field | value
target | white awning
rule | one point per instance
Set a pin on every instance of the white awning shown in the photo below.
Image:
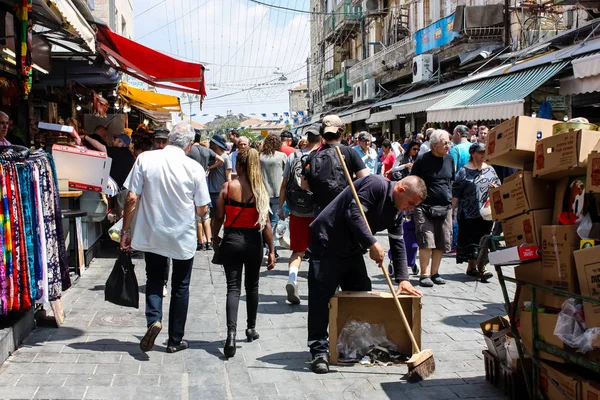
(417, 105)
(361, 115)
(586, 66)
(347, 119)
(572, 85)
(72, 15)
(381, 116)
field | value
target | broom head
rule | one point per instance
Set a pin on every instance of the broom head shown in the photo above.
(420, 366)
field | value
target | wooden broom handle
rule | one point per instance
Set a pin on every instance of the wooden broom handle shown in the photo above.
(385, 272)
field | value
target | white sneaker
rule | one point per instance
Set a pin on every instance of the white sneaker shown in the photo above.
(292, 293)
(165, 293)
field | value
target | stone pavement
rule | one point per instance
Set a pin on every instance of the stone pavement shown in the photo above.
(96, 355)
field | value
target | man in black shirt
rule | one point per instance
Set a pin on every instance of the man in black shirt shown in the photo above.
(339, 237)
(433, 218)
(333, 130)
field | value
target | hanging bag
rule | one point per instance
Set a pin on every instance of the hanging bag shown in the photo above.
(122, 286)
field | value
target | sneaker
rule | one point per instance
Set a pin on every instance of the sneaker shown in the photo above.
(174, 348)
(320, 364)
(391, 269)
(208, 246)
(199, 246)
(276, 255)
(165, 292)
(426, 281)
(147, 341)
(292, 293)
(437, 279)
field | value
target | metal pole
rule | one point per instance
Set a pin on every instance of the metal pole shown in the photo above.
(363, 36)
(507, 22)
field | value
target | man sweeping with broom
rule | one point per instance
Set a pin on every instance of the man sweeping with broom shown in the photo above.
(340, 235)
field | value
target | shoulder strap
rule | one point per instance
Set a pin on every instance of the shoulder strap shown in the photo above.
(241, 211)
(228, 196)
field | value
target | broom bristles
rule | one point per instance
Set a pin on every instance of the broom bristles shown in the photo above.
(419, 372)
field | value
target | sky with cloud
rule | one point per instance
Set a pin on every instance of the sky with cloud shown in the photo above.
(247, 48)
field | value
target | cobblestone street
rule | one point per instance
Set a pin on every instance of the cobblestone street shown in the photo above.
(96, 355)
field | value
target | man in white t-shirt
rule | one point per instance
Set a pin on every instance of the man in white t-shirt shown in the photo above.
(166, 190)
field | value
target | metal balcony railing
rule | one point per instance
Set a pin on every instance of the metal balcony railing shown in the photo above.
(344, 18)
(336, 86)
(391, 57)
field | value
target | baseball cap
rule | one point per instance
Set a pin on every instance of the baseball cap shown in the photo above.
(314, 129)
(286, 135)
(332, 123)
(220, 141)
(126, 139)
(161, 133)
(365, 136)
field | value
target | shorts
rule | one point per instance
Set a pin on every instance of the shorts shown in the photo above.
(203, 219)
(433, 233)
(299, 232)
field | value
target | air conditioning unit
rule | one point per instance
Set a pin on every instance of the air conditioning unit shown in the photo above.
(369, 88)
(347, 64)
(372, 6)
(422, 67)
(357, 92)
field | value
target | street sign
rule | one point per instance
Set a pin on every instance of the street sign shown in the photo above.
(557, 102)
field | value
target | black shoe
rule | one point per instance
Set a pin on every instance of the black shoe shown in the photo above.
(174, 348)
(473, 272)
(208, 246)
(437, 279)
(147, 341)
(251, 335)
(320, 364)
(229, 349)
(200, 246)
(485, 275)
(415, 269)
(276, 255)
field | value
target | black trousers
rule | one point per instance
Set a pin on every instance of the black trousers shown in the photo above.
(243, 250)
(156, 265)
(326, 272)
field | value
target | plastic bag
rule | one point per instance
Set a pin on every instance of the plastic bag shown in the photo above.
(585, 227)
(571, 328)
(486, 211)
(122, 286)
(357, 337)
(115, 231)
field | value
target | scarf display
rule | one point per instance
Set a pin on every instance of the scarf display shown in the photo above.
(33, 265)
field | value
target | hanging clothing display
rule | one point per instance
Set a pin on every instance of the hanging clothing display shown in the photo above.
(33, 265)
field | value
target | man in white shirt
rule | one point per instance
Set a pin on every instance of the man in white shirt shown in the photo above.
(166, 189)
(426, 146)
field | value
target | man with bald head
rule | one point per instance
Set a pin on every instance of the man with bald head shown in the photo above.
(339, 237)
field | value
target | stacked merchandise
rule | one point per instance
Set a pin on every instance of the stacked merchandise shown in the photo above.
(33, 265)
(546, 205)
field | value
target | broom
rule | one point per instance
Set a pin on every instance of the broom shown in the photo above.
(422, 364)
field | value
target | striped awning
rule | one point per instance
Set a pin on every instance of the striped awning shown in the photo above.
(419, 104)
(381, 116)
(500, 97)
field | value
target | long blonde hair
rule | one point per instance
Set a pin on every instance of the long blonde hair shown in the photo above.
(249, 162)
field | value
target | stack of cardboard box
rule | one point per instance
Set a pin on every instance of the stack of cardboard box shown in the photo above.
(540, 205)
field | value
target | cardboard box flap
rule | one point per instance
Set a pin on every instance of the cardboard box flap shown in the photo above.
(84, 169)
(565, 154)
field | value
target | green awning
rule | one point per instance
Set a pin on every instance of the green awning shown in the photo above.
(501, 97)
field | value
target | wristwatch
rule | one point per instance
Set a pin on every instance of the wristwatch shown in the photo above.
(125, 231)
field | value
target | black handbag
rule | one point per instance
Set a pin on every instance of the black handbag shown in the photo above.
(122, 286)
(435, 212)
(218, 256)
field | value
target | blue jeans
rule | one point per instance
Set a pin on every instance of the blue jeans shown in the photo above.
(274, 203)
(156, 265)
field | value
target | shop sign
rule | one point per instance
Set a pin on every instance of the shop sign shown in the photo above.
(557, 102)
(439, 33)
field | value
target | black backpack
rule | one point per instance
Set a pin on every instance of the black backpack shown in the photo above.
(326, 176)
(298, 200)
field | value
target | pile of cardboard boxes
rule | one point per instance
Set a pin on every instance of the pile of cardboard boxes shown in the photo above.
(540, 208)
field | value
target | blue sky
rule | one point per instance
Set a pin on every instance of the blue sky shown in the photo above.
(241, 43)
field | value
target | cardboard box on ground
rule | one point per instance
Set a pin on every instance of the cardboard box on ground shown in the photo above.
(512, 143)
(565, 154)
(520, 193)
(374, 308)
(559, 382)
(587, 262)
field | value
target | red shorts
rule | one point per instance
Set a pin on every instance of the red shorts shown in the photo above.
(300, 232)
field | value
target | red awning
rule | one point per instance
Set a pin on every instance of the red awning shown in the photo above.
(150, 66)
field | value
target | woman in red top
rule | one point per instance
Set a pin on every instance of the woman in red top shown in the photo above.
(387, 158)
(243, 209)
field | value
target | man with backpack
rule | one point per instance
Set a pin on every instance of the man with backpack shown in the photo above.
(323, 172)
(301, 205)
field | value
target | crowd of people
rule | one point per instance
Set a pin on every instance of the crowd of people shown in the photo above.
(229, 195)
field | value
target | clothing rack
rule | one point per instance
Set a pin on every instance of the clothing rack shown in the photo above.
(33, 264)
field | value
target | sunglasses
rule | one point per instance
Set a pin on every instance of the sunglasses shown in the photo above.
(415, 148)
